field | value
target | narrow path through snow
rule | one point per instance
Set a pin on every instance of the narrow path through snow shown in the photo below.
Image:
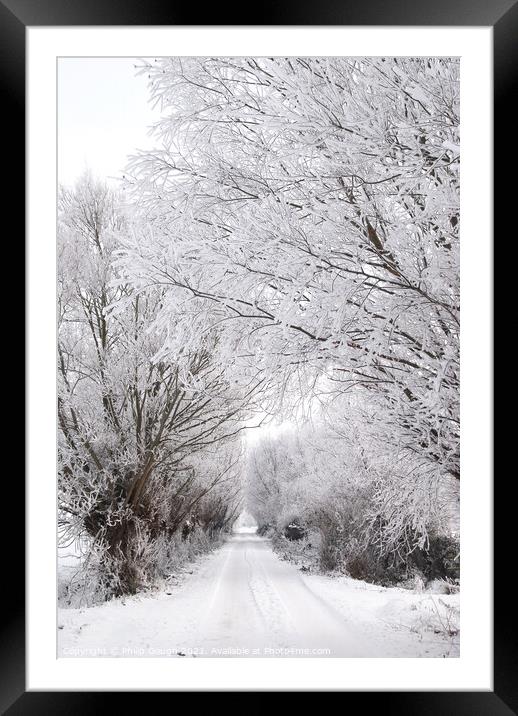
(260, 602)
(243, 600)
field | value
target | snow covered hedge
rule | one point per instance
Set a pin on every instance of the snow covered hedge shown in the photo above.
(323, 478)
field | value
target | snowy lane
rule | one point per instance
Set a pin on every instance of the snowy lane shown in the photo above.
(261, 603)
(243, 601)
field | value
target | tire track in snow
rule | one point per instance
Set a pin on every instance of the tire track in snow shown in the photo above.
(252, 590)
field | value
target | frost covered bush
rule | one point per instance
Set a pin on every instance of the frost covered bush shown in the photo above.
(304, 553)
(440, 560)
(90, 582)
(265, 530)
(152, 564)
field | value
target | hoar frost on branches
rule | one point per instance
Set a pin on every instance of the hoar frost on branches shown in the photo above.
(148, 447)
(308, 208)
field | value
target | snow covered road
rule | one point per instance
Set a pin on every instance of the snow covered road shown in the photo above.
(260, 602)
(242, 600)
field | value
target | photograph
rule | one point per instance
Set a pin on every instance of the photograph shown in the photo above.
(258, 357)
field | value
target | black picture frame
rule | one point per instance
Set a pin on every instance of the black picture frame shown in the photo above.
(15, 17)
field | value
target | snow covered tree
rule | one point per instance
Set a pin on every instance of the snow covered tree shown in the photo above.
(309, 209)
(146, 445)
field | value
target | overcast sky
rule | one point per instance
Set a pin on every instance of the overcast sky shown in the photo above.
(103, 116)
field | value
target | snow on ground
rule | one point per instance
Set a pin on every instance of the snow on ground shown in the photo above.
(242, 600)
(401, 623)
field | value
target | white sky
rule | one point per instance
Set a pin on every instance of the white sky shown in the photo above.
(103, 116)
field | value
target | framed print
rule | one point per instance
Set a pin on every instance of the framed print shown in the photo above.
(271, 321)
